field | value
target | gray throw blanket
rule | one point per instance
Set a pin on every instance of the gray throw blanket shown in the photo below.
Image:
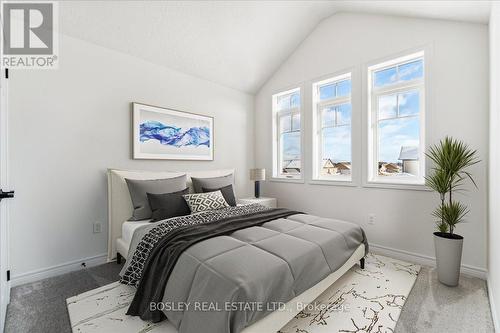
(265, 265)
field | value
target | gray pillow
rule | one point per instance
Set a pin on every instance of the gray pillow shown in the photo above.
(215, 182)
(168, 205)
(139, 188)
(227, 193)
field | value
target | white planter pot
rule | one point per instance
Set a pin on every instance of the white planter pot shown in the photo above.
(448, 257)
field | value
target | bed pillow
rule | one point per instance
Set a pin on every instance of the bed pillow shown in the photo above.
(214, 182)
(168, 205)
(139, 188)
(227, 193)
(202, 202)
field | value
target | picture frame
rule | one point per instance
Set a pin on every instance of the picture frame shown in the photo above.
(169, 134)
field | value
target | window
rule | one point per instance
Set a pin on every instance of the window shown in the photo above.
(396, 115)
(287, 124)
(332, 128)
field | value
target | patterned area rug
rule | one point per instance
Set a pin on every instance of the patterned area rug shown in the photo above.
(361, 301)
(368, 300)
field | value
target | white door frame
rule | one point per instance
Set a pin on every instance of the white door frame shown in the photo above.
(4, 204)
(4, 185)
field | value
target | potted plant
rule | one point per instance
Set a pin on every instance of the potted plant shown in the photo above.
(451, 159)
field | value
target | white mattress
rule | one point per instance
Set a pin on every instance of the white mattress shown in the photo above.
(129, 227)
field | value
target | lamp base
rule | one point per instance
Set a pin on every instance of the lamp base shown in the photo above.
(257, 189)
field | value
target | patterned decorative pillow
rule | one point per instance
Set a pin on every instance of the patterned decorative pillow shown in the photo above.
(202, 202)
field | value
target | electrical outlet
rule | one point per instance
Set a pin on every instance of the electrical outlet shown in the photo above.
(371, 218)
(97, 227)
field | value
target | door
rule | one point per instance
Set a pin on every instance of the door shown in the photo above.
(4, 204)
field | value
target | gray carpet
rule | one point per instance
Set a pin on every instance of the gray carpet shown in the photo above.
(431, 306)
(434, 307)
(40, 307)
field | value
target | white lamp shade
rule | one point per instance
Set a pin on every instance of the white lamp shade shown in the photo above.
(257, 174)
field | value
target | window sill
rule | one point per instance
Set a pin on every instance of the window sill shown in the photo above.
(398, 186)
(287, 180)
(332, 182)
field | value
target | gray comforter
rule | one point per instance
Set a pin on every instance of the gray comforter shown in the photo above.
(213, 281)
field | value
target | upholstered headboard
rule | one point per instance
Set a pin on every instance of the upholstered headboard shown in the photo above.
(120, 205)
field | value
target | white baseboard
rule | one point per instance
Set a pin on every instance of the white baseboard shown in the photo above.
(424, 260)
(494, 316)
(44, 273)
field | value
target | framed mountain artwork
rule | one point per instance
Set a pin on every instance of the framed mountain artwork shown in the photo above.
(160, 133)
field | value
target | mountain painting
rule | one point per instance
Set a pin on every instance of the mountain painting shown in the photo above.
(161, 133)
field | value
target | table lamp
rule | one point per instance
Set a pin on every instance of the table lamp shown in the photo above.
(257, 175)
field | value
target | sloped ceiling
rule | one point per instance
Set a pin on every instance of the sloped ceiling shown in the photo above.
(238, 44)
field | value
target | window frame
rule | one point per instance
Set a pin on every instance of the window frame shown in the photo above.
(317, 107)
(276, 124)
(372, 98)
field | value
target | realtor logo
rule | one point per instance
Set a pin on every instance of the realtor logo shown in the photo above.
(30, 38)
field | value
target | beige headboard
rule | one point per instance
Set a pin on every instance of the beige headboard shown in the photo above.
(120, 205)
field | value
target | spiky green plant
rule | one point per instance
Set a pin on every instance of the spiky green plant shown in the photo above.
(452, 214)
(451, 159)
(439, 181)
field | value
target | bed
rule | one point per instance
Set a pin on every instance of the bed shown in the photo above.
(124, 237)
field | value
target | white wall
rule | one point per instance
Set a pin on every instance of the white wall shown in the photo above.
(68, 125)
(458, 106)
(494, 177)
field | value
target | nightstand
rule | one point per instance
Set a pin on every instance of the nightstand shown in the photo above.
(268, 202)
